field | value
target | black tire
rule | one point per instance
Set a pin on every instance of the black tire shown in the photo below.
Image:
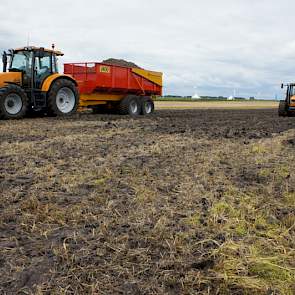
(130, 105)
(147, 106)
(53, 106)
(283, 109)
(11, 96)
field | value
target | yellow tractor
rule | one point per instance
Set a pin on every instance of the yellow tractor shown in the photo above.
(30, 82)
(287, 106)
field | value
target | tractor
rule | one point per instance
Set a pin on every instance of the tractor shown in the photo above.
(287, 106)
(30, 83)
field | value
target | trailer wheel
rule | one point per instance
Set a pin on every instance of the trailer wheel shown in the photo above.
(14, 102)
(130, 105)
(147, 106)
(283, 109)
(63, 98)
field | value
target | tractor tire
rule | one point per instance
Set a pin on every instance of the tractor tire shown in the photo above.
(14, 102)
(283, 109)
(130, 105)
(147, 106)
(63, 98)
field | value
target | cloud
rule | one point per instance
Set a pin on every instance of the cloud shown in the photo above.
(214, 46)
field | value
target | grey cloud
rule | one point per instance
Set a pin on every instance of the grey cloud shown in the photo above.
(214, 46)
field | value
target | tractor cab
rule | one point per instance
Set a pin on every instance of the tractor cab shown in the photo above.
(35, 64)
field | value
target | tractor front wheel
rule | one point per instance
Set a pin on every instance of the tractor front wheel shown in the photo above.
(14, 102)
(63, 98)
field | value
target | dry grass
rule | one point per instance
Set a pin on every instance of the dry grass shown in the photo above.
(180, 105)
(187, 202)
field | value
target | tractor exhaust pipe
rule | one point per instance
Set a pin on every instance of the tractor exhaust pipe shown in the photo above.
(4, 61)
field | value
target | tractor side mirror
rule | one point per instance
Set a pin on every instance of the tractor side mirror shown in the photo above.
(282, 86)
(4, 61)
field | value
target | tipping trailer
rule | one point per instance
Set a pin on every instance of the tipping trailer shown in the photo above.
(104, 86)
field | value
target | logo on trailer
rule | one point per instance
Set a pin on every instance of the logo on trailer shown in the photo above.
(105, 69)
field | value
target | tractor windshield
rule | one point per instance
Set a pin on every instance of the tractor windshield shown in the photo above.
(291, 90)
(21, 61)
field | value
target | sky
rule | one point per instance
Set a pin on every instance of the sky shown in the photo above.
(208, 47)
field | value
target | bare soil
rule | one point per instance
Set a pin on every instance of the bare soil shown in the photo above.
(120, 62)
(181, 202)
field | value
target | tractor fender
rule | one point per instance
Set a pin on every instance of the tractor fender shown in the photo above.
(10, 78)
(51, 79)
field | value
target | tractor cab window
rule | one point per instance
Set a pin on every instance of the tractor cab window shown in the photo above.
(54, 64)
(43, 65)
(290, 91)
(22, 61)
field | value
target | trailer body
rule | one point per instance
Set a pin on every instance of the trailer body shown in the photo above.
(101, 83)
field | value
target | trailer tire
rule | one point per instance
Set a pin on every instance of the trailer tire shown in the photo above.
(14, 102)
(147, 106)
(130, 105)
(63, 98)
(283, 109)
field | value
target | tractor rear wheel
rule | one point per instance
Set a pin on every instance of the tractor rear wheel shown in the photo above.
(63, 98)
(283, 109)
(130, 105)
(147, 106)
(14, 102)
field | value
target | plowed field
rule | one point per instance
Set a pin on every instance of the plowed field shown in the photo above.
(182, 202)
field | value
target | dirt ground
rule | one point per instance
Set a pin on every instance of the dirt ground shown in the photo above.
(182, 202)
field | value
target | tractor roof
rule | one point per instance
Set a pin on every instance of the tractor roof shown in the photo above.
(33, 48)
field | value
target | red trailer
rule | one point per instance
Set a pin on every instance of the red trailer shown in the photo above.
(103, 86)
